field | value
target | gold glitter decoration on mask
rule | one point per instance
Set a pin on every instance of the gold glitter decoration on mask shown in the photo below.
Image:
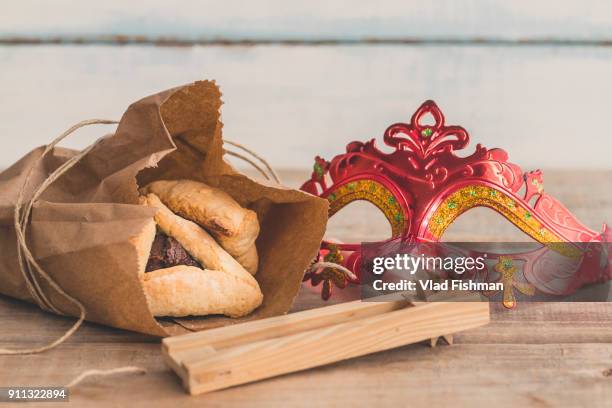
(375, 193)
(476, 195)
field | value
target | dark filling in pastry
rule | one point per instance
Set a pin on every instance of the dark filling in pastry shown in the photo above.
(167, 252)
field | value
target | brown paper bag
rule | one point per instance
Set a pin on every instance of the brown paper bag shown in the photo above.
(81, 226)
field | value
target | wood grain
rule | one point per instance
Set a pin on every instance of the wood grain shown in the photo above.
(547, 106)
(335, 19)
(278, 326)
(224, 357)
(541, 354)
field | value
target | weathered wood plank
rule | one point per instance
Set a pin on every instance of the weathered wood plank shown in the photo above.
(462, 374)
(292, 103)
(335, 19)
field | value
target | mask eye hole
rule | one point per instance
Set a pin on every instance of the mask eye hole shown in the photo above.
(358, 221)
(512, 209)
(373, 193)
(482, 224)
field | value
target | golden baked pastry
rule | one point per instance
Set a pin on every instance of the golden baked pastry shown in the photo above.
(234, 227)
(186, 272)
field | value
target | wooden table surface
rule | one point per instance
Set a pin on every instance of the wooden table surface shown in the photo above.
(541, 354)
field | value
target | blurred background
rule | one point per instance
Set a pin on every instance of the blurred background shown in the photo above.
(305, 78)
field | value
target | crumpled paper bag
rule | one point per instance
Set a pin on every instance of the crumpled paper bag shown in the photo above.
(81, 226)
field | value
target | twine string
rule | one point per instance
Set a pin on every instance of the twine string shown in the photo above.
(27, 264)
(263, 161)
(24, 255)
(249, 161)
(104, 373)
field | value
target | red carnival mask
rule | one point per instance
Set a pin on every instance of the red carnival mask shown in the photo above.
(423, 186)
